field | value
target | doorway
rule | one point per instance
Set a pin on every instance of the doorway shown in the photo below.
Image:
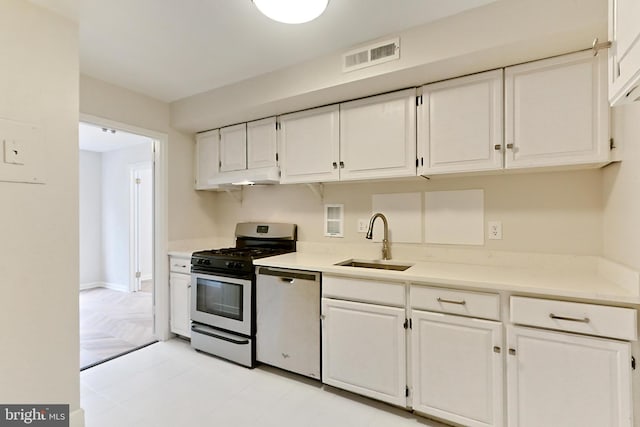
(118, 239)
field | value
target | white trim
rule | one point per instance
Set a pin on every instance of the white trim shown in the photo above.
(76, 418)
(91, 285)
(160, 244)
(120, 287)
(134, 250)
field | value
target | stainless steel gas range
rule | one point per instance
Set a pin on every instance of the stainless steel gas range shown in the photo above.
(223, 297)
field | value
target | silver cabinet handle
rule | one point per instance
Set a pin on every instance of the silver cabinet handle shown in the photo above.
(510, 146)
(341, 165)
(497, 147)
(178, 265)
(570, 319)
(189, 286)
(449, 301)
(287, 279)
(335, 165)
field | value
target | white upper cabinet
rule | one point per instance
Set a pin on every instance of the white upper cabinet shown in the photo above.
(556, 112)
(206, 163)
(233, 148)
(460, 125)
(378, 136)
(309, 145)
(624, 54)
(261, 143)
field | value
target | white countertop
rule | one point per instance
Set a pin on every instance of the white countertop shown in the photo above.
(566, 283)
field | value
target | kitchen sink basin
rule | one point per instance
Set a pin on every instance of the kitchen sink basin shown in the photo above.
(377, 264)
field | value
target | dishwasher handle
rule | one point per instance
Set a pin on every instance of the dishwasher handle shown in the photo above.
(289, 275)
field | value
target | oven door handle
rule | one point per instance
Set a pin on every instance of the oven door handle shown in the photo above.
(218, 335)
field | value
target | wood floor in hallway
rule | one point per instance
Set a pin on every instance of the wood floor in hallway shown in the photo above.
(113, 322)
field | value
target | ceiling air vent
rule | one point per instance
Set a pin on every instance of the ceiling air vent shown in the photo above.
(373, 54)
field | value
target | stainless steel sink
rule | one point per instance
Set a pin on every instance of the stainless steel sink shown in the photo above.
(377, 264)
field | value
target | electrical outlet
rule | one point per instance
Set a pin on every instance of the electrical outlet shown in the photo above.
(363, 225)
(495, 230)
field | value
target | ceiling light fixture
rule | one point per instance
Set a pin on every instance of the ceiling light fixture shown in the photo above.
(291, 11)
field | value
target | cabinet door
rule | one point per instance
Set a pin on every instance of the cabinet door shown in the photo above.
(233, 148)
(363, 349)
(556, 112)
(206, 161)
(460, 125)
(308, 143)
(560, 379)
(378, 136)
(457, 368)
(261, 143)
(180, 302)
(624, 54)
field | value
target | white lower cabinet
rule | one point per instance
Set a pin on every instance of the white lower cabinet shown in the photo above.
(180, 296)
(457, 368)
(364, 349)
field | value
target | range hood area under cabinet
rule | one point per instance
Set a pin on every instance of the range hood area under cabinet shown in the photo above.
(551, 113)
(239, 154)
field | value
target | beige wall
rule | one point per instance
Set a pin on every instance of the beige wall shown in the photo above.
(190, 213)
(39, 361)
(621, 191)
(502, 33)
(558, 212)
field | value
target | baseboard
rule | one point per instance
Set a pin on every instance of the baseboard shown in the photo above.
(116, 287)
(146, 277)
(92, 285)
(76, 418)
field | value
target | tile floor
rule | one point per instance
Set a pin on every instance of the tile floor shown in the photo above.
(168, 384)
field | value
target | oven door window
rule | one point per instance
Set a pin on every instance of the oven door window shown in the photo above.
(219, 298)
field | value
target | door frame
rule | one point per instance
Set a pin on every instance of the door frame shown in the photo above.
(160, 221)
(134, 219)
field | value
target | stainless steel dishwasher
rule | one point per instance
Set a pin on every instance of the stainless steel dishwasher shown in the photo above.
(288, 320)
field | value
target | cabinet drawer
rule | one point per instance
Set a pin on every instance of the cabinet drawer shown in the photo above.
(385, 293)
(600, 320)
(464, 303)
(179, 265)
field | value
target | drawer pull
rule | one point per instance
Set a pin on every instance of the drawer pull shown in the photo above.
(449, 301)
(178, 265)
(570, 319)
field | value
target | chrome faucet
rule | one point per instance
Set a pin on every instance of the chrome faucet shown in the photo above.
(386, 253)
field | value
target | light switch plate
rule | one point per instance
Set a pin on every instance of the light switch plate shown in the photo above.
(363, 225)
(13, 153)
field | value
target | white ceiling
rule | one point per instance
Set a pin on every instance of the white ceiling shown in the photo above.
(171, 49)
(94, 138)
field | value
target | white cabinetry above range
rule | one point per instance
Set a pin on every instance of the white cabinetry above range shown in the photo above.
(551, 113)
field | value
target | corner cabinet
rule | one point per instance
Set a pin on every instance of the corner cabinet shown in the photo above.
(624, 54)
(364, 343)
(556, 112)
(378, 136)
(206, 159)
(564, 379)
(460, 125)
(567, 380)
(309, 145)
